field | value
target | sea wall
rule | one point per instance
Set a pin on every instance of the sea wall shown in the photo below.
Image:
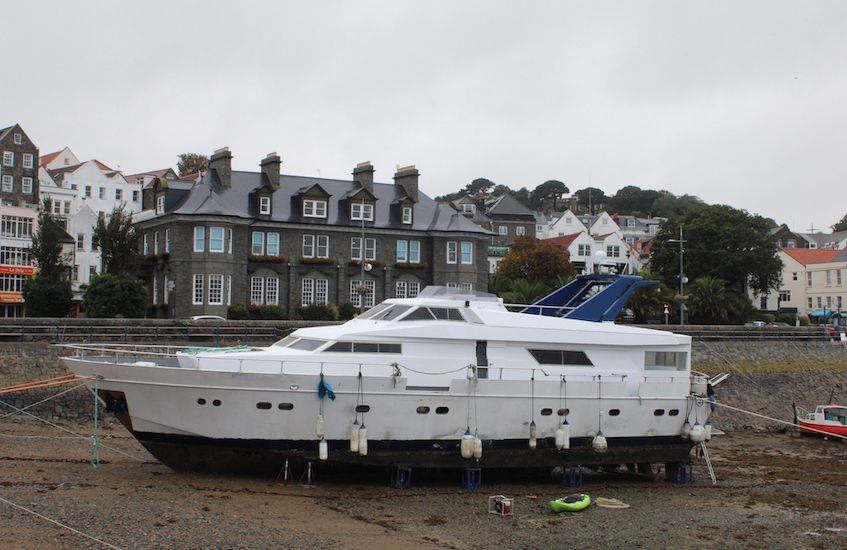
(765, 377)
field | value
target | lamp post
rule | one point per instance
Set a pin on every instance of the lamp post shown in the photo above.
(682, 279)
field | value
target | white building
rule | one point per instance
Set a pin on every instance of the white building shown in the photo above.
(80, 192)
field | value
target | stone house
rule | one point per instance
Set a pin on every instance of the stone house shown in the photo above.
(264, 238)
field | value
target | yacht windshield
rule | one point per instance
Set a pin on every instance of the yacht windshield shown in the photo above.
(387, 313)
(432, 313)
(285, 342)
(307, 344)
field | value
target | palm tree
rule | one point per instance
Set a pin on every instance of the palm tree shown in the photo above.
(708, 299)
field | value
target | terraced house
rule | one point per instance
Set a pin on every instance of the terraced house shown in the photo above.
(262, 238)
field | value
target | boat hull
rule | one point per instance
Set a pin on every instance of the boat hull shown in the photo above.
(814, 428)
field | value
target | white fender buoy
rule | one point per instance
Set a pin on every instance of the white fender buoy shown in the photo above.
(363, 440)
(466, 445)
(599, 444)
(533, 439)
(698, 433)
(708, 427)
(477, 447)
(686, 429)
(563, 436)
(320, 426)
(354, 437)
(323, 449)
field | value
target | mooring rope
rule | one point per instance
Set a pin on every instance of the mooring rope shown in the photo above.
(68, 527)
(43, 400)
(719, 404)
(78, 436)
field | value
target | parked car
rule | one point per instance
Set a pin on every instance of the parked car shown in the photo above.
(756, 324)
(778, 324)
(207, 318)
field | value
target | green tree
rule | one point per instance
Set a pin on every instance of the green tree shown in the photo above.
(841, 225)
(535, 262)
(49, 293)
(708, 300)
(649, 302)
(118, 242)
(591, 197)
(720, 242)
(113, 295)
(549, 194)
(479, 187)
(633, 200)
(667, 204)
(190, 163)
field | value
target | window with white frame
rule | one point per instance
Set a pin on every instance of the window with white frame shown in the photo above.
(361, 211)
(613, 251)
(583, 250)
(828, 302)
(809, 278)
(264, 205)
(314, 291)
(414, 252)
(145, 244)
(468, 208)
(452, 252)
(839, 303)
(18, 139)
(199, 239)
(8, 158)
(407, 214)
(229, 240)
(16, 227)
(8, 184)
(258, 244)
(67, 208)
(407, 289)
(167, 240)
(356, 294)
(119, 194)
(160, 204)
(356, 248)
(828, 277)
(504, 230)
(272, 291)
(820, 302)
(14, 255)
(810, 302)
(315, 246)
(86, 192)
(165, 290)
(197, 294)
(80, 241)
(155, 290)
(101, 193)
(466, 286)
(838, 277)
(28, 160)
(467, 252)
(156, 242)
(402, 251)
(314, 208)
(257, 290)
(229, 290)
(520, 231)
(135, 195)
(216, 239)
(273, 244)
(784, 295)
(216, 289)
(308, 246)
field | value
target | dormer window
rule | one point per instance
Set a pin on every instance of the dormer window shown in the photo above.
(630, 223)
(468, 208)
(265, 205)
(361, 211)
(160, 204)
(407, 214)
(315, 209)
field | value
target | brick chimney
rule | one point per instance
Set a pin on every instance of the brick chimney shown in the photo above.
(270, 167)
(364, 174)
(221, 163)
(407, 178)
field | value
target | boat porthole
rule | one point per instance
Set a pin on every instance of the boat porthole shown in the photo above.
(442, 410)
(201, 401)
(546, 412)
(563, 412)
(614, 412)
(422, 410)
(659, 412)
(216, 402)
(264, 405)
(673, 412)
(285, 406)
(363, 408)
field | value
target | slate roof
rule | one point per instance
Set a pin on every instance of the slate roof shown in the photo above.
(823, 240)
(507, 205)
(209, 197)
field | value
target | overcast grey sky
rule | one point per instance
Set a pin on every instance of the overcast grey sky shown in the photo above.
(738, 102)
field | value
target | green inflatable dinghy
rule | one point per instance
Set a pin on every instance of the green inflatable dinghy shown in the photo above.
(571, 503)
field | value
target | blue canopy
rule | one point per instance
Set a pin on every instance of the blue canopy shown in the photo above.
(821, 313)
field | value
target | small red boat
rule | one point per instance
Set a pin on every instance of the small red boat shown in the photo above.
(826, 420)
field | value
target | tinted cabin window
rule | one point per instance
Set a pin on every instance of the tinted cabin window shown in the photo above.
(561, 357)
(482, 359)
(420, 314)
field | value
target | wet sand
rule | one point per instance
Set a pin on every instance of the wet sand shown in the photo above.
(773, 491)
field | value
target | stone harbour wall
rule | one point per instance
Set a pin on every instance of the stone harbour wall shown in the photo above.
(765, 377)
